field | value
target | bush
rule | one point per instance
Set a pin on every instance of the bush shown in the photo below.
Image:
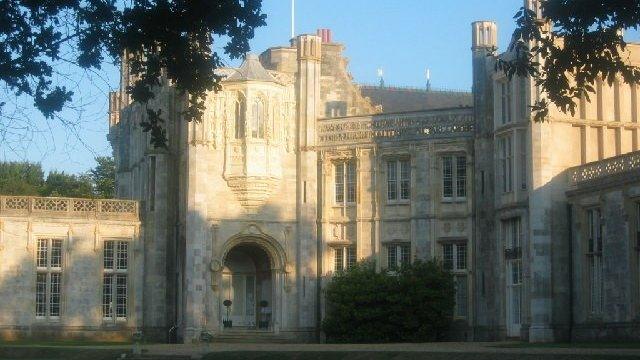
(414, 304)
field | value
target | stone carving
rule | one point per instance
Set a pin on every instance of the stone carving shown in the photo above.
(600, 169)
(405, 127)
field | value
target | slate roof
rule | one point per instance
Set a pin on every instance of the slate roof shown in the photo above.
(251, 69)
(394, 99)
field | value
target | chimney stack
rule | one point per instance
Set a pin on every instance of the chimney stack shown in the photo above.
(325, 35)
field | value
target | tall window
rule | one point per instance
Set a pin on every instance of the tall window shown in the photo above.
(239, 119)
(257, 120)
(454, 177)
(344, 257)
(512, 239)
(505, 101)
(594, 256)
(114, 280)
(398, 187)
(454, 258)
(522, 140)
(345, 182)
(397, 255)
(48, 278)
(152, 183)
(506, 163)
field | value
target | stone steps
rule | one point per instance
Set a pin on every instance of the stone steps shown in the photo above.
(250, 336)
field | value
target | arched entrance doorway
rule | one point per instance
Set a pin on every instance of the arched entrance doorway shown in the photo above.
(248, 281)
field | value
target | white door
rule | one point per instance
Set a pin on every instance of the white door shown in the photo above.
(241, 290)
(514, 297)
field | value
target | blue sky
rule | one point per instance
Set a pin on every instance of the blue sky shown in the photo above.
(403, 37)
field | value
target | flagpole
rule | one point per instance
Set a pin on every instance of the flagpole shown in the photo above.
(293, 18)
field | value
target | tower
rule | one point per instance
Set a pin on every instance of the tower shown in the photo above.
(487, 313)
(309, 49)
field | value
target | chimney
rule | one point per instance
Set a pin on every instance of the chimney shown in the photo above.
(325, 35)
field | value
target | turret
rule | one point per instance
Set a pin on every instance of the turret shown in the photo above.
(485, 36)
(309, 55)
(484, 42)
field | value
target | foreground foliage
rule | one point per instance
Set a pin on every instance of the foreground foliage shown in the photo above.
(170, 37)
(566, 45)
(413, 305)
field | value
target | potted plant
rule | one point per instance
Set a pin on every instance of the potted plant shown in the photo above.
(265, 313)
(227, 323)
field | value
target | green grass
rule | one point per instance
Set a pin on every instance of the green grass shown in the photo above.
(576, 345)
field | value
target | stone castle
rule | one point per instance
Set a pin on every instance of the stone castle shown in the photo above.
(297, 172)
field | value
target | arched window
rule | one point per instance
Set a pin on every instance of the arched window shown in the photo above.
(239, 114)
(257, 120)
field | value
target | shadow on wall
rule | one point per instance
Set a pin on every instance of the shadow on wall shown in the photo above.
(80, 298)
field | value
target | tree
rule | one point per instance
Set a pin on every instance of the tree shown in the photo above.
(20, 178)
(67, 185)
(103, 177)
(174, 37)
(27, 179)
(566, 45)
(413, 305)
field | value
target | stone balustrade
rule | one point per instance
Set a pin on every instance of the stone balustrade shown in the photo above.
(409, 126)
(68, 207)
(604, 168)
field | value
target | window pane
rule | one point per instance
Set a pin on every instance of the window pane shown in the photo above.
(392, 257)
(461, 257)
(405, 180)
(405, 254)
(338, 259)
(351, 256)
(56, 253)
(239, 120)
(461, 296)
(351, 181)
(122, 255)
(392, 181)
(41, 294)
(54, 295)
(447, 177)
(121, 296)
(257, 128)
(42, 253)
(523, 160)
(447, 256)
(339, 181)
(461, 176)
(107, 295)
(108, 255)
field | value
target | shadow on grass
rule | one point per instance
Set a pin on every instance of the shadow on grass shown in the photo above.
(392, 355)
(576, 345)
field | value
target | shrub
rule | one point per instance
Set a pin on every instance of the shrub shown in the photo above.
(414, 304)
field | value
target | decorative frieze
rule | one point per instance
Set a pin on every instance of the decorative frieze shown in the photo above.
(416, 126)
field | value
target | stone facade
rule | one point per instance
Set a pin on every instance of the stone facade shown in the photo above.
(523, 219)
(52, 268)
(295, 172)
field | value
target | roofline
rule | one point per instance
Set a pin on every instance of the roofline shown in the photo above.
(402, 112)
